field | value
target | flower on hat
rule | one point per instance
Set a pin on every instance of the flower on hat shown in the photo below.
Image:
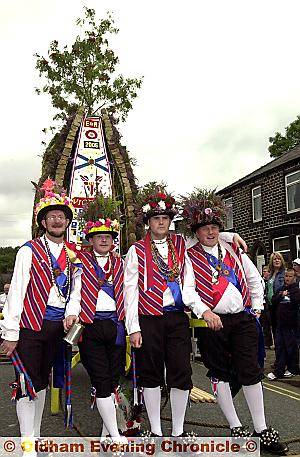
(52, 195)
(202, 207)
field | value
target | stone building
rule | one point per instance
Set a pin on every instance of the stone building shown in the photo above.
(264, 208)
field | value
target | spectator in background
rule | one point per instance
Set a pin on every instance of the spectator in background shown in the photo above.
(287, 301)
(3, 296)
(274, 284)
(265, 318)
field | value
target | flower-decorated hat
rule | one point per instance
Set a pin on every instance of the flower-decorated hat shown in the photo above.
(158, 203)
(54, 197)
(100, 217)
(202, 207)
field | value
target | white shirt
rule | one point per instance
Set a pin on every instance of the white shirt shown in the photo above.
(232, 300)
(12, 311)
(104, 301)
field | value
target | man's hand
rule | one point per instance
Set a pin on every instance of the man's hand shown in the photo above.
(240, 242)
(8, 347)
(136, 339)
(213, 320)
(69, 321)
(284, 293)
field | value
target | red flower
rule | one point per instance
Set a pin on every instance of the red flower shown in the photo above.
(129, 424)
(161, 196)
(168, 205)
(153, 204)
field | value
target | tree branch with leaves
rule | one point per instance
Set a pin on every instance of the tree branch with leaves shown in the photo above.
(85, 73)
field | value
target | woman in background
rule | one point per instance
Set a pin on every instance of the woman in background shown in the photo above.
(275, 282)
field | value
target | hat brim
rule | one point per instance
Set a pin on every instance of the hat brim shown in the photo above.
(160, 212)
(194, 227)
(98, 232)
(64, 208)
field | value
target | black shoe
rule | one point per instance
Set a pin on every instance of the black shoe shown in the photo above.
(240, 432)
(269, 441)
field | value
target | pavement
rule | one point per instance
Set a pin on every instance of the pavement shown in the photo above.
(282, 405)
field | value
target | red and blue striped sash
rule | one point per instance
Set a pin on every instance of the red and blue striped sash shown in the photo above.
(203, 275)
(38, 289)
(151, 299)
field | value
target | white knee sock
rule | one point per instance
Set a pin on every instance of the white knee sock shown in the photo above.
(26, 412)
(107, 410)
(255, 401)
(225, 402)
(178, 400)
(39, 408)
(152, 398)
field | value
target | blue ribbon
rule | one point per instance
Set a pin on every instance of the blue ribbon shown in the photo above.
(177, 296)
(54, 314)
(112, 315)
(106, 287)
(231, 276)
(261, 353)
(61, 279)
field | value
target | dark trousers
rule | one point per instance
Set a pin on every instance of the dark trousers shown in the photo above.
(265, 320)
(102, 359)
(233, 349)
(287, 351)
(166, 345)
(273, 320)
(38, 350)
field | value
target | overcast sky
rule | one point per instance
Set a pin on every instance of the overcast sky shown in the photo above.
(220, 78)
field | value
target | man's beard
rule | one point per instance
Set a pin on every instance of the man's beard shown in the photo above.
(56, 234)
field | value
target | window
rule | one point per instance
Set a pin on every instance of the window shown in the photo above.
(282, 245)
(292, 186)
(229, 213)
(256, 204)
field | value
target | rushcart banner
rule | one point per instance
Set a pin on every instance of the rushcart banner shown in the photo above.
(142, 446)
(91, 170)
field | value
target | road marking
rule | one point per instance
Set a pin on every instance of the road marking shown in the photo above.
(282, 393)
(273, 386)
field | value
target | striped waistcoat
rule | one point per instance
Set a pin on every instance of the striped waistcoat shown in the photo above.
(151, 300)
(203, 275)
(38, 289)
(90, 287)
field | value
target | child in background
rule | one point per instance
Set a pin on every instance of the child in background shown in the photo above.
(287, 301)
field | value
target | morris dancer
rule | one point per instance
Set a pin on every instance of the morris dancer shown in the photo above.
(231, 291)
(158, 283)
(33, 315)
(97, 301)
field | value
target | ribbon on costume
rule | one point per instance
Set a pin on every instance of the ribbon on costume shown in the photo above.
(68, 387)
(222, 268)
(61, 279)
(261, 353)
(24, 378)
(106, 287)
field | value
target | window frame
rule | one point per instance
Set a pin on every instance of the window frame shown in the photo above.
(254, 197)
(286, 192)
(280, 238)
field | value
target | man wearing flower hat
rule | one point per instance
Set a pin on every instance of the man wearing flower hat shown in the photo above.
(231, 291)
(158, 283)
(33, 317)
(97, 301)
